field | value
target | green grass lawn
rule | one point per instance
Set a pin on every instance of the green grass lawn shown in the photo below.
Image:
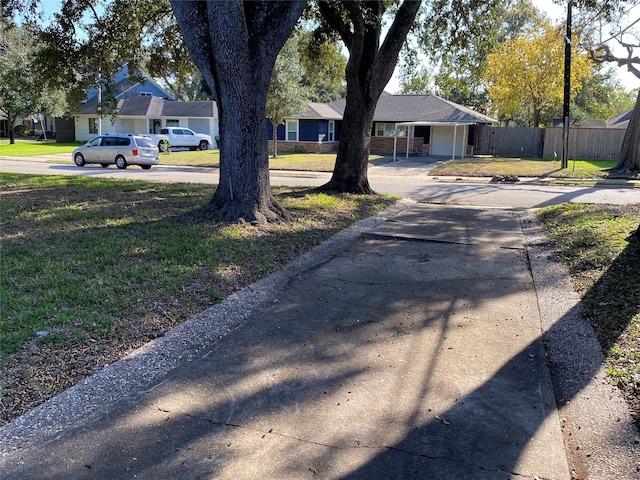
(32, 148)
(605, 266)
(489, 166)
(94, 267)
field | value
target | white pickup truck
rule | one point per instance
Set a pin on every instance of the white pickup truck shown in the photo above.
(181, 137)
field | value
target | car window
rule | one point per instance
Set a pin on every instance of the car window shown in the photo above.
(123, 141)
(164, 131)
(187, 132)
(178, 131)
(95, 142)
(144, 142)
(108, 142)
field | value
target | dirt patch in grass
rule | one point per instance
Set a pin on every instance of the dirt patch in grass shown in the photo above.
(93, 269)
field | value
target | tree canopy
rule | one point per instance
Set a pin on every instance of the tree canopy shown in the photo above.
(455, 37)
(88, 42)
(612, 35)
(528, 71)
(287, 96)
(24, 90)
(324, 64)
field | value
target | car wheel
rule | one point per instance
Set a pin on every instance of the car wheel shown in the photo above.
(121, 162)
(204, 145)
(145, 167)
(104, 165)
(79, 159)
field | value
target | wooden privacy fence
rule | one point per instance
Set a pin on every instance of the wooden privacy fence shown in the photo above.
(508, 141)
(587, 143)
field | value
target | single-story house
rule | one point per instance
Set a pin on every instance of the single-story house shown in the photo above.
(423, 124)
(35, 124)
(148, 114)
(142, 107)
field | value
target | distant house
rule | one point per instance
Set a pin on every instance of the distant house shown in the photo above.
(424, 124)
(621, 121)
(142, 107)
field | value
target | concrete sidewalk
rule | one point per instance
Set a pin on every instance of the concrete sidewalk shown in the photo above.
(410, 347)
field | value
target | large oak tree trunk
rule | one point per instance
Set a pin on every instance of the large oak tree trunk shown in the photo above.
(369, 69)
(352, 161)
(629, 159)
(235, 45)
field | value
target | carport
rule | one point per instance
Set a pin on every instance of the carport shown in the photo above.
(411, 135)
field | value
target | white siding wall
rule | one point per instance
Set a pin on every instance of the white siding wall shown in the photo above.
(82, 127)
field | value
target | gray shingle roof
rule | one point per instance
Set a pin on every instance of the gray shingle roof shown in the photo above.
(190, 109)
(621, 121)
(321, 110)
(148, 106)
(419, 108)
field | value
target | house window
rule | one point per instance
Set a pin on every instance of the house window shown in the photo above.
(332, 129)
(389, 129)
(93, 126)
(173, 123)
(292, 130)
(146, 94)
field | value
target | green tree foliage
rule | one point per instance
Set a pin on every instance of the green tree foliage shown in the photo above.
(602, 96)
(619, 45)
(324, 65)
(415, 77)
(24, 90)
(455, 37)
(525, 76)
(89, 41)
(287, 95)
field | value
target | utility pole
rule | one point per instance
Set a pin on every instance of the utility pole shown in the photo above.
(567, 90)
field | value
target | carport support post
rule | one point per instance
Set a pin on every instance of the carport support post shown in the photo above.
(395, 143)
(455, 130)
(407, 135)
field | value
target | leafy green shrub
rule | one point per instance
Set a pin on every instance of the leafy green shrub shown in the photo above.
(21, 130)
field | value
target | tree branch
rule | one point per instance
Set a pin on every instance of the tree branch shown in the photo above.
(332, 14)
(603, 53)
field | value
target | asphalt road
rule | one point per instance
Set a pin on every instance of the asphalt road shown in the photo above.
(411, 180)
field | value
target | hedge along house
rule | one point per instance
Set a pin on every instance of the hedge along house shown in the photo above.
(142, 107)
(417, 124)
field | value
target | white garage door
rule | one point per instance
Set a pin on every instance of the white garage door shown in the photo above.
(199, 125)
(442, 140)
